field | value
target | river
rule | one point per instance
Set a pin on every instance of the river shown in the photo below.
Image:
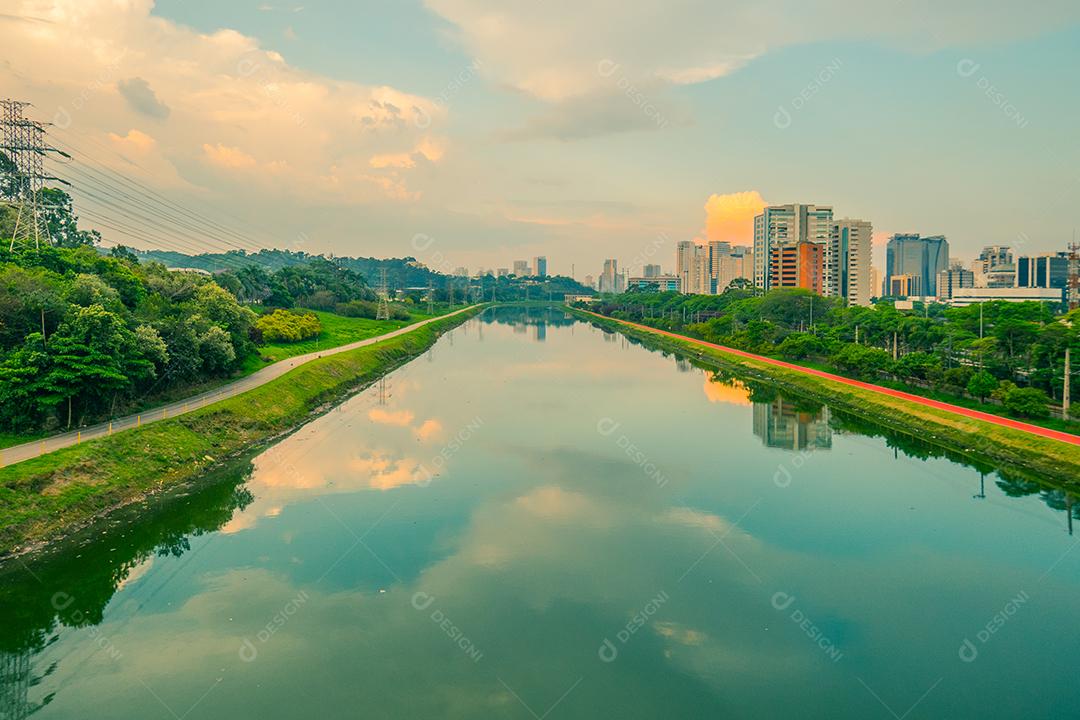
(538, 519)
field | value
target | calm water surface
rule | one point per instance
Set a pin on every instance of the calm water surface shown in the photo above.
(541, 520)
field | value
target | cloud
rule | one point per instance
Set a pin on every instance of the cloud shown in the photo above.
(141, 98)
(626, 107)
(532, 47)
(232, 104)
(730, 217)
(228, 157)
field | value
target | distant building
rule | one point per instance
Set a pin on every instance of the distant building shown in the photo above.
(786, 225)
(461, 272)
(521, 268)
(684, 261)
(656, 283)
(590, 281)
(904, 286)
(502, 272)
(875, 281)
(608, 282)
(798, 266)
(1043, 271)
(848, 272)
(971, 296)
(991, 257)
(652, 271)
(999, 276)
(919, 257)
(739, 263)
(539, 266)
(948, 281)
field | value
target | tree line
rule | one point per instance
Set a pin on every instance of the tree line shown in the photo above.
(1007, 353)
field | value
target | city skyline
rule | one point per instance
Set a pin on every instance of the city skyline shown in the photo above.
(416, 122)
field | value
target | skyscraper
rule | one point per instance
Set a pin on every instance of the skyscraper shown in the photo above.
(539, 267)
(922, 258)
(608, 282)
(850, 250)
(521, 268)
(652, 271)
(780, 225)
(684, 262)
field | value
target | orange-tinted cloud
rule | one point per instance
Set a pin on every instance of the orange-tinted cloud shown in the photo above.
(730, 217)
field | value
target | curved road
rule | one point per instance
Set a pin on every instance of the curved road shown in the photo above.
(18, 453)
(956, 409)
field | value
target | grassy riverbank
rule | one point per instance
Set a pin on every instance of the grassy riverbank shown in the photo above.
(48, 497)
(1047, 458)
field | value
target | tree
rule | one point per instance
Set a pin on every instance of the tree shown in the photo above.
(1027, 402)
(86, 358)
(982, 384)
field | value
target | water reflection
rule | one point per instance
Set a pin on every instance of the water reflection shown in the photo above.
(536, 537)
(67, 592)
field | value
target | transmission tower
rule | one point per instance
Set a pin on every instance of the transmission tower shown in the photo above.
(24, 143)
(383, 313)
(430, 297)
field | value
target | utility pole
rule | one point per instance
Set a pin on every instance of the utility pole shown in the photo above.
(430, 297)
(980, 321)
(1065, 392)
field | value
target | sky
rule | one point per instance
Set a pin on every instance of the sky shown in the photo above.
(476, 132)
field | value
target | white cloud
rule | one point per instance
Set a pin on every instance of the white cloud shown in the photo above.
(554, 50)
(97, 65)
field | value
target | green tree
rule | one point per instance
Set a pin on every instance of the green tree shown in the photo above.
(86, 359)
(982, 384)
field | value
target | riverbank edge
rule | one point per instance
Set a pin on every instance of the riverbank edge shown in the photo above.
(1041, 459)
(46, 499)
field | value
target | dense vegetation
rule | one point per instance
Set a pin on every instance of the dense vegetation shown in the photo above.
(1007, 353)
(85, 334)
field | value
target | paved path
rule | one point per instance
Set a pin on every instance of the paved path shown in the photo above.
(966, 412)
(18, 453)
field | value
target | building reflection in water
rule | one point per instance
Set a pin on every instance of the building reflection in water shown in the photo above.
(781, 423)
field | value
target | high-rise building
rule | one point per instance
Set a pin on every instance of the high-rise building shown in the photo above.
(684, 260)
(590, 282)
(717, 249)
(738, 264)
(652, 271)
(1050, 270)
(948, 281)
(502, 272)
(850, 250)
(521, 268)
(700, 272)
(799, 265)
(608, 281)
(539, 266)
(922, 258)
(780, 225)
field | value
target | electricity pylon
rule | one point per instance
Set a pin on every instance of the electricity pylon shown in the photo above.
(23, 141)
(383, 312)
